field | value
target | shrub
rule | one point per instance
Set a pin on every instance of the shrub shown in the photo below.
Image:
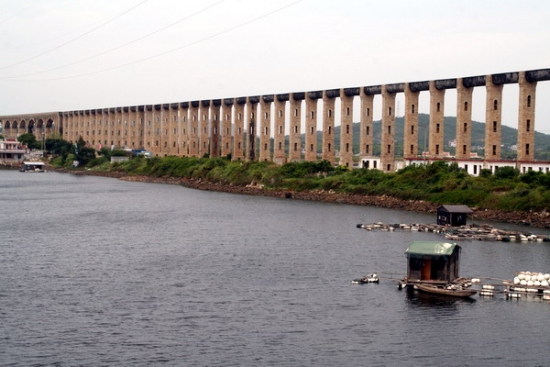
(506, 172)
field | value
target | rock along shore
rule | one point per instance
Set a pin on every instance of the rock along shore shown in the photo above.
(534, 219)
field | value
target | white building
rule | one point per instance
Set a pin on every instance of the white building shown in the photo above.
(12, 152)
(473, 166)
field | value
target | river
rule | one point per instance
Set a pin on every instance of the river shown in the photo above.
(101, 272)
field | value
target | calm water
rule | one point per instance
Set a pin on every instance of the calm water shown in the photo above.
(100, 272)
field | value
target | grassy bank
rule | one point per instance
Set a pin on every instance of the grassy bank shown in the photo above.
(438, 183)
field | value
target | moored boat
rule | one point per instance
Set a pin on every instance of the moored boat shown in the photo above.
(446, 291)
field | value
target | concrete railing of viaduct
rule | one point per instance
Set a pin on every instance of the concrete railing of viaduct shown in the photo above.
(234, 126)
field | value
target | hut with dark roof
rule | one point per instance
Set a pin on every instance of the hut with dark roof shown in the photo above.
(453, 215)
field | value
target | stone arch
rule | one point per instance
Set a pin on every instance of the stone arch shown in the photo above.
(40, 126)
(50, 126)
(7, 129)
(31, 126)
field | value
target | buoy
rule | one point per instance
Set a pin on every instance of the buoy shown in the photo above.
(521, 276)
(488, 286)
(523, 282)
(486, 292)
(516, 280)
(513, 295)
(475, 280)
(530, 283)
(544, 283)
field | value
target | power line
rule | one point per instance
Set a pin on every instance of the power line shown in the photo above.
(73, 39)
(174, 49)
(53, 38)
(118, 47)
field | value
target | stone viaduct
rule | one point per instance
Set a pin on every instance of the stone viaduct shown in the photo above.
(234, 126)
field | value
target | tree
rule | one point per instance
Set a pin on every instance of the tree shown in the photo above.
(29, 140)
(83, 153)
(58, 146)
(506, 172)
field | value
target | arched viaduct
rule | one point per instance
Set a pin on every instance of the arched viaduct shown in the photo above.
(232, 126)
(38, 124)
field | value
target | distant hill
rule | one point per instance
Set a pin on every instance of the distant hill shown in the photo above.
(509, 137)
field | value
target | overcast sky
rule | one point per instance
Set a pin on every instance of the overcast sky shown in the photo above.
(62, 55)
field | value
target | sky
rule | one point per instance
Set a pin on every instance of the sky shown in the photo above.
(65, 55)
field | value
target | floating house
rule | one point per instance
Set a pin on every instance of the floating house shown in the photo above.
(432, 262)
(453, 215)
(32, 167)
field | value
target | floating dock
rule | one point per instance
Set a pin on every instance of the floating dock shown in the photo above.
(525, 285)
(462, 233)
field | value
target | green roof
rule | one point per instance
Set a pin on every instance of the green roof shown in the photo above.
(431, 248)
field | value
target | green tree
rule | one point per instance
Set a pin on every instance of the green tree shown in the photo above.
(83, 153)
(58, 146)
(29, 140)
(506, 172)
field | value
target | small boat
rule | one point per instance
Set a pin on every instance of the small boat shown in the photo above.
(32, 167)
(371, 278)
(445, 291)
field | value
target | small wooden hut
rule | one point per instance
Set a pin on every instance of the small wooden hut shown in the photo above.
(453, 215)
(432, 262)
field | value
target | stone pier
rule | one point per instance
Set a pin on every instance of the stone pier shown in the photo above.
(226, 115)
(328, 149)
(410, 132)
(437, 109)
(387, 148)
(493, 131)
(526, 119)
(463, 120)
(346, 127)
(295, 142)
(279, 154)
(311, 126)
(366, 124)
(238, 129)
(265, 127)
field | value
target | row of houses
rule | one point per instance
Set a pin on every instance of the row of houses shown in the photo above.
(473, 166)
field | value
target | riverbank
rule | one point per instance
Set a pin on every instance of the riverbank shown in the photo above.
(532, 218)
